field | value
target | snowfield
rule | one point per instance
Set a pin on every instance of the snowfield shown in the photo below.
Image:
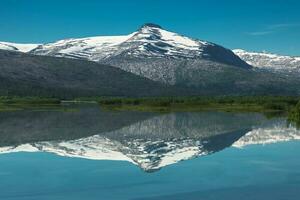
(270, 61)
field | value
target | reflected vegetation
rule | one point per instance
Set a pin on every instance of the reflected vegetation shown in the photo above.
(148, 140)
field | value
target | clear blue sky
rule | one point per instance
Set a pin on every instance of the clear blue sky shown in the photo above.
(271, 25)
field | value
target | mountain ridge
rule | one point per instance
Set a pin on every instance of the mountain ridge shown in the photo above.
(197, 66)
(270, 61)
(136, 53)
(18, 46)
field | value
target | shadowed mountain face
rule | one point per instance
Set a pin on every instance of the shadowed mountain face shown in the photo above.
(29, 75)
(149, 140)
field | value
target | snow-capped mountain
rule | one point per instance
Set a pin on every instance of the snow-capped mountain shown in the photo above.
(17, 47)
(150, 40)
(151, 52)
(270, 61)
(195, 66)
(90, 48)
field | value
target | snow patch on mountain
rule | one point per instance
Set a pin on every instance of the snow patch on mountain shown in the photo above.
(153, 41)
(149, 40)
(270, 61)
(91, 48)
(17, 47)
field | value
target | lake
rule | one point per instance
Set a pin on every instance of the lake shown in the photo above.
(85, 152)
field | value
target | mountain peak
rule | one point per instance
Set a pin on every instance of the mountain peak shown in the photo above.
(151, 25)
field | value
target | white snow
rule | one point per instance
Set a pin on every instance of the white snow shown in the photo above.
(174, 39)
(17, 47)
(20, 148)
(270, 61)
(91, 48)
(164, 43)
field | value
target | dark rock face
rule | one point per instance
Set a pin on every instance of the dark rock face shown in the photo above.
(31, 75)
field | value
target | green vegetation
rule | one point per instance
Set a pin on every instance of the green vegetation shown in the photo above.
(269, 105)
(27, 100)
(223, 103)
(19, 103)
(294, 115)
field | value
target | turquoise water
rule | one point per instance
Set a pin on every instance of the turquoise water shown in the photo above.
(254, 172)
(93, 154)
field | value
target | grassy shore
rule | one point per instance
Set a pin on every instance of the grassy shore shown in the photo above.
(294, 115)
(167, 104)
(269, 105)
(21, 103)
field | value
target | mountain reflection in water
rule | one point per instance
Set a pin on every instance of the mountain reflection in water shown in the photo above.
(149, 140)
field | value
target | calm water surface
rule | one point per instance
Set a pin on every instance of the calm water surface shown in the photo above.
(93, 154)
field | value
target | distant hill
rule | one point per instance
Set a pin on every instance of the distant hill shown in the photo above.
(31, 75)
(270, 61)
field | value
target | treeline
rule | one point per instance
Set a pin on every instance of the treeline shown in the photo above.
(294, 115)
(287, 104)
(264, 102)
(271, 102)
(28, 100)
(269, 105)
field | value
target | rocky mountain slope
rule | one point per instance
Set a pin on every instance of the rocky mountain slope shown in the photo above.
(31, 75)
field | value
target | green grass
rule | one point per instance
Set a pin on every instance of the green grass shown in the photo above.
(34, 103)
(224, 103)
(294, 115)
(28, 100)
(270, 105)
